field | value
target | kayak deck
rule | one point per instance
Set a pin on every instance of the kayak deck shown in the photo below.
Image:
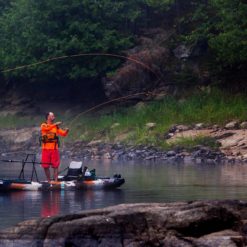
(98, 183)
(75, 179)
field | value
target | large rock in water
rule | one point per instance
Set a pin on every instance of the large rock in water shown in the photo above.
(199, 223)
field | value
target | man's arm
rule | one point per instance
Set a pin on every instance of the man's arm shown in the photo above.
(62, 132)
(46, 127)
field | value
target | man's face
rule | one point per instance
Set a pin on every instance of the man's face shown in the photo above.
(51, 116)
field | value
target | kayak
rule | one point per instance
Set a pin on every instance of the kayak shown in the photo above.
(75, 179)
(83, 184)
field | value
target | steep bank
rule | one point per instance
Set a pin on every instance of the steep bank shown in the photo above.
(199, 223)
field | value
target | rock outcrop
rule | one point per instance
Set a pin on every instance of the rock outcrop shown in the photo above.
(233, 142)
(19, 139)
(199, 223)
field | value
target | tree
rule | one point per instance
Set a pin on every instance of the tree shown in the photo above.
(223, 23)
(230, 41)
(37, 30)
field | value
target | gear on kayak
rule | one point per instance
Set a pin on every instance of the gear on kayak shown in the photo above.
(77, 178)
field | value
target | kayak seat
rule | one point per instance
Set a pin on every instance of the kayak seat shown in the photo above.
(74, 171)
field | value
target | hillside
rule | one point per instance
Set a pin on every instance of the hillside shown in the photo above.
(124, 72)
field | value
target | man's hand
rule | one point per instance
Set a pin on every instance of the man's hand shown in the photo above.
(58, 123)
(66, 129)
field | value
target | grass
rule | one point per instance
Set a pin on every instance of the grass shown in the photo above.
(190, 143)
(209, 108)
(15, 121)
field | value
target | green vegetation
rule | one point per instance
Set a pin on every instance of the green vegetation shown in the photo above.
(222, 23)
(14, 121)
(189, 143)
(32, 31)
(208, 108)
(128, 125)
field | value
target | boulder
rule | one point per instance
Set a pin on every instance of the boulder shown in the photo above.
(140, 106)
(199, 223)
(182, 52)
(231, 125)
(215, 127)
(171, 153)
(168, 135)
(199, 126)
(243, 125)
(107, 155)
(182, 127)
(173, 129)
(115, 125)
(150, 126)
(94, 143)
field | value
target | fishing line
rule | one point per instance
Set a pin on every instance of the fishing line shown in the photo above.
(106, 103)
(93, 54)
(83, 55)
(111, 101)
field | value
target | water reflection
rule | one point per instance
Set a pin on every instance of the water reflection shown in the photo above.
(145, 182)
(50, 203)
(19, 206)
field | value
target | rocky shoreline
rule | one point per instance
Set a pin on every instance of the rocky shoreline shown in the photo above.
(146, 153)
(232, 146)
(232, 142)
(187, 224)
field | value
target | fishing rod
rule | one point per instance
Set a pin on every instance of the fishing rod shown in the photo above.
(83, 55)
(132, 59)
(108, 102)
(93, 54)
(26, 162)
(23, 164)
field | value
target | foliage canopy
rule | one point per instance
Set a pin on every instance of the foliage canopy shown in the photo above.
(33, 31)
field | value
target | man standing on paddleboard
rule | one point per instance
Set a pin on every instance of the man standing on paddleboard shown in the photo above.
(50, 133)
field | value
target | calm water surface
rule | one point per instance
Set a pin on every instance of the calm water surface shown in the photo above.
(145, 182)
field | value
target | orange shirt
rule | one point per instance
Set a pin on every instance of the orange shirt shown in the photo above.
(51, 128)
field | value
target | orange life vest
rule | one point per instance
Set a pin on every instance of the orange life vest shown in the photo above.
(49, 135)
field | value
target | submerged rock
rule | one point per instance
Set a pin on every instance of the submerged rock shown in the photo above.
(199, 223)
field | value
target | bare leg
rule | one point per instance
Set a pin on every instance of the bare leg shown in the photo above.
(55, 174)
(47, 173)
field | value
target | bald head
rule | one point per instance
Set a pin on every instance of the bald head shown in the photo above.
(50, 117)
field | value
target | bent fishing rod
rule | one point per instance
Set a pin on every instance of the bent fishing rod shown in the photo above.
(111, 101)
(132, 59)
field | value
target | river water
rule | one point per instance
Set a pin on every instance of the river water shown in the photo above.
(145, 182)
